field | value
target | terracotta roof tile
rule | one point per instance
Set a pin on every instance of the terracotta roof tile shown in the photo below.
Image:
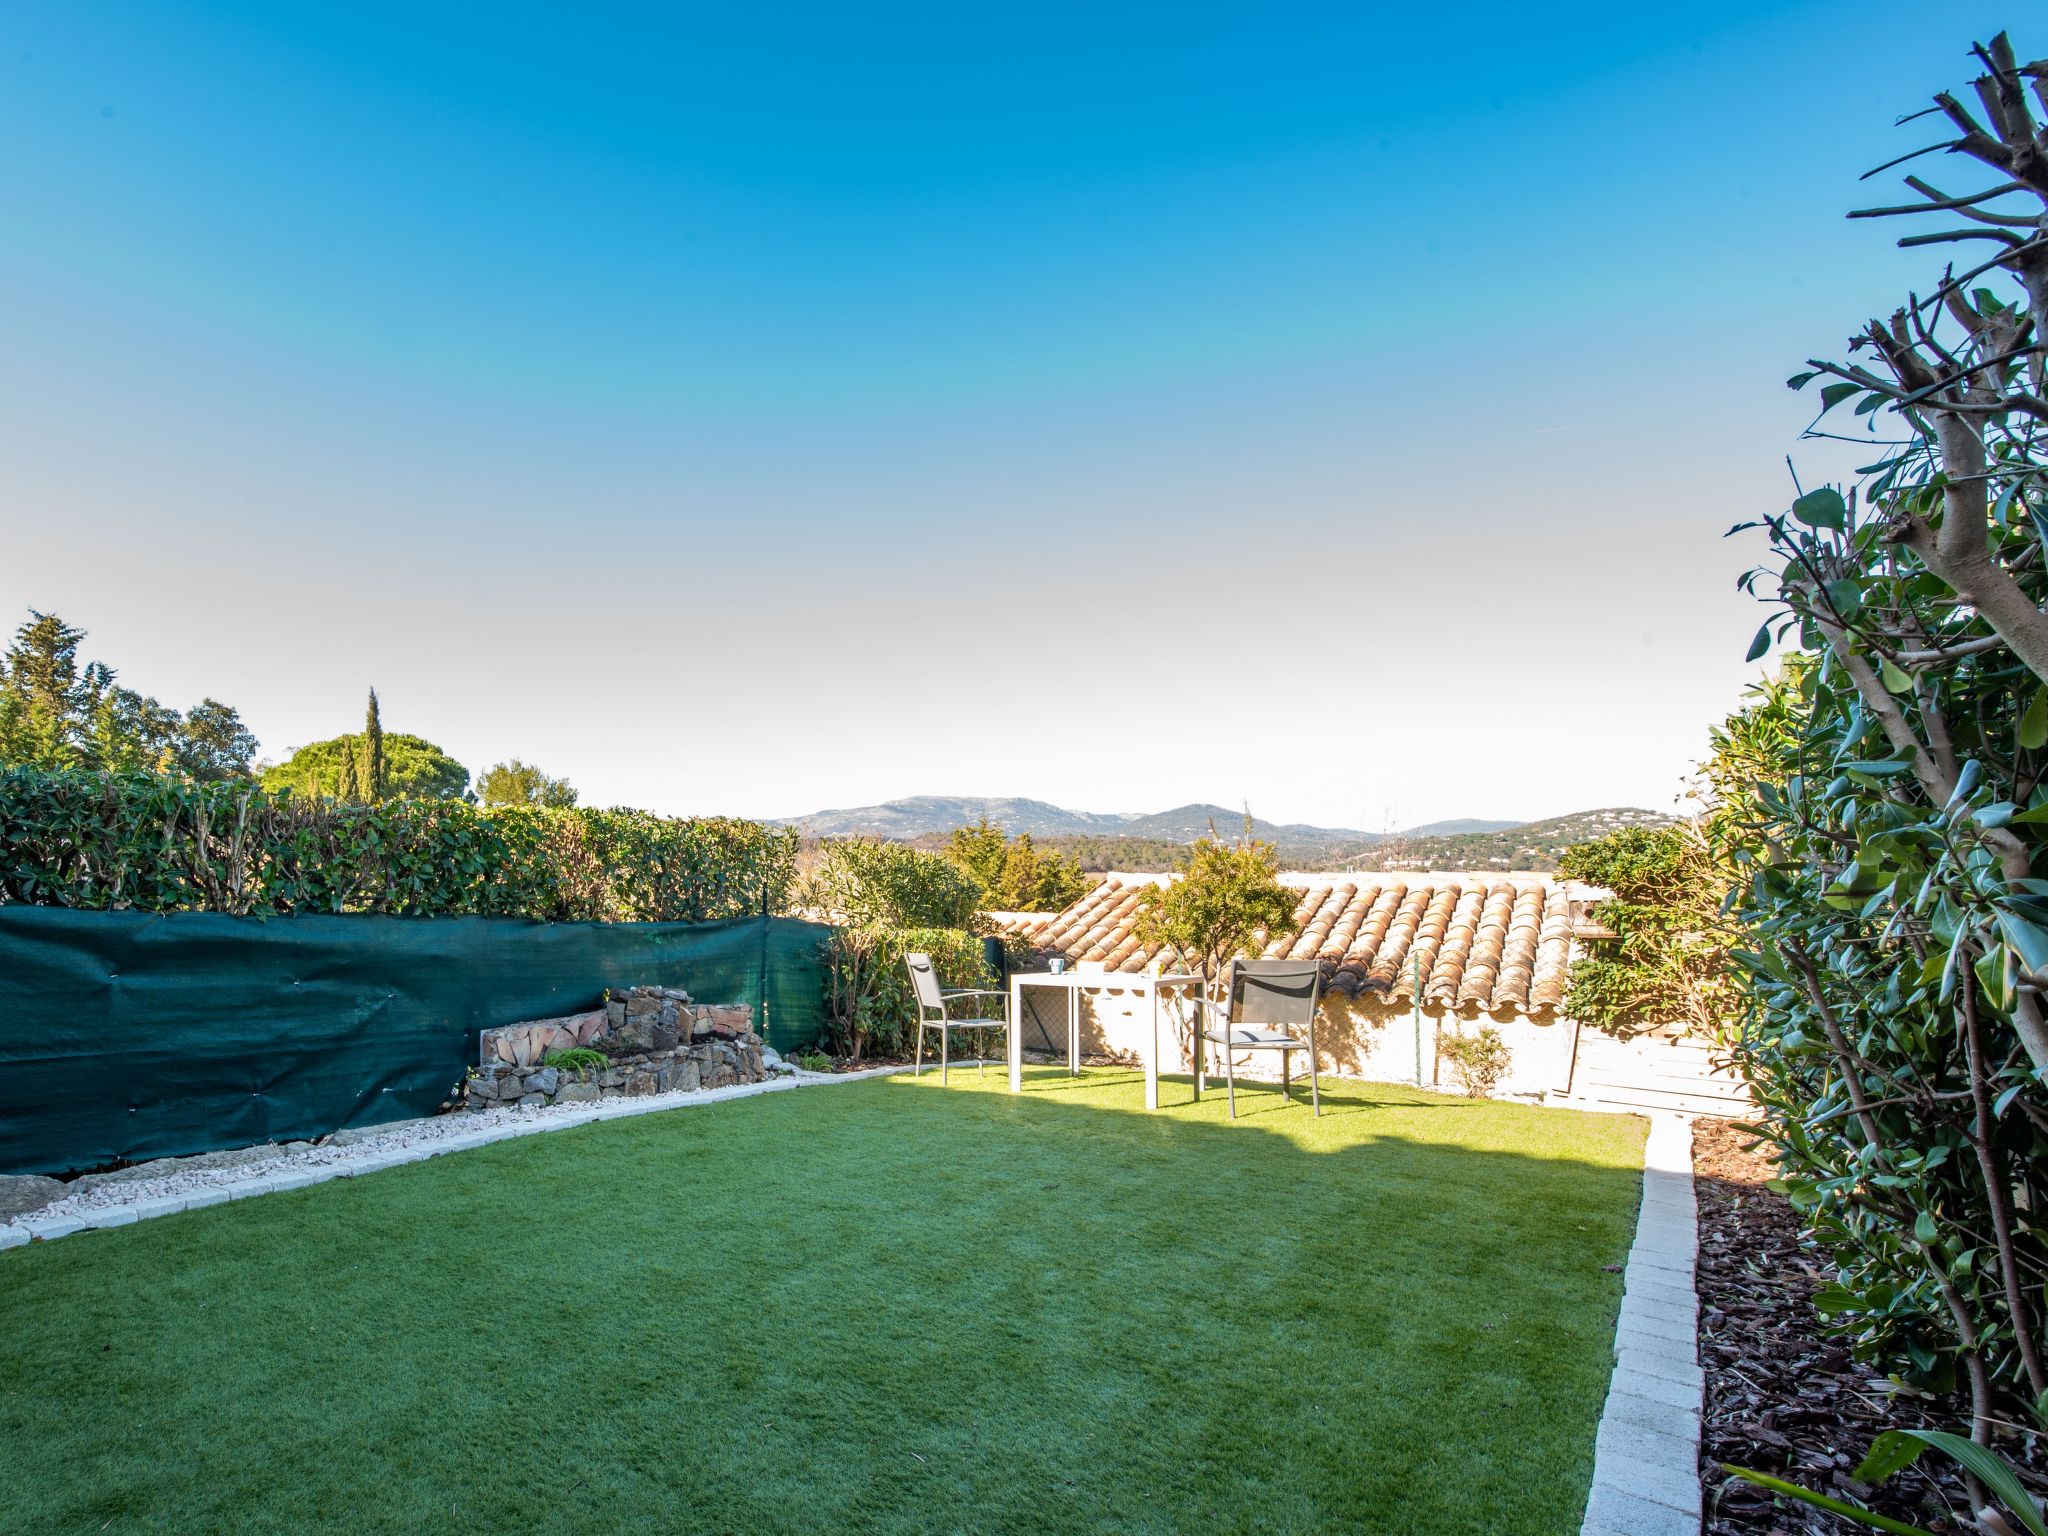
(1477, 943)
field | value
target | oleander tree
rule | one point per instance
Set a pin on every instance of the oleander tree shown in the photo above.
(1881, 804)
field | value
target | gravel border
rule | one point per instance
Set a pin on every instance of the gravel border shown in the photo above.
(370, 1150)
(1646, 1479)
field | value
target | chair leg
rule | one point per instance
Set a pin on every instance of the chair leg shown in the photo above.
(1284, 1094)
(1315, 1100)
(981, 1053)
(918, 1069)
(1230, 1077)
(945, 1051)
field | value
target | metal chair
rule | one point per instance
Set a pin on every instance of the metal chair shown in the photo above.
(1268, 1005)
(932, 1000)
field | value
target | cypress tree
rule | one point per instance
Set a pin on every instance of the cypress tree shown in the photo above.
(351, 781)
(375, 777)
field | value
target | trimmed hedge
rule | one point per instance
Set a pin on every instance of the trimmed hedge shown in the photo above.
(156, 844)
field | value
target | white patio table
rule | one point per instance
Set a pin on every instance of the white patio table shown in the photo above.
(1146, 984)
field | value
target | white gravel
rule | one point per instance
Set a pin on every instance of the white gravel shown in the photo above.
(176, 1184)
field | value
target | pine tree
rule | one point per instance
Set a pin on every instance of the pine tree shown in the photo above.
(376, 778)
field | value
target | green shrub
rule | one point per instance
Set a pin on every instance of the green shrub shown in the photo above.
(869, 999)
(816, 1061)
(576, 1059)
(154, 843)
(1480, 1060)
(892, 885)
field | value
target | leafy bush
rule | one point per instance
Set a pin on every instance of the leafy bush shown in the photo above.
(575, 1059)
(816, 1061)
(157, 844)
(1667, 961)
(892, 885)
(1480, 1060)
(1883, 810)
(869, 997)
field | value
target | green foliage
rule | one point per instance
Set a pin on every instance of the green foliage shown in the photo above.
(56, 712)
(214, 744)
(1480, 1060)
(815, 1061)
(1883, 805)
(1228, 903)
(1877, 1018)
(157, 844)
(892, 885)
(1893, 1452)
(576, 1058)
(1667, 961)
(1095, 853)
(414, 768)
(1014, 875)
(868, 995)
(517, 783)
(376, 771)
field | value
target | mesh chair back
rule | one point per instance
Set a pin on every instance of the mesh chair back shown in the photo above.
(1280, 993)
(924, 983)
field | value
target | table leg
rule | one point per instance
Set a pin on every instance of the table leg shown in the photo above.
(1016, 1034)
(1073, 1031)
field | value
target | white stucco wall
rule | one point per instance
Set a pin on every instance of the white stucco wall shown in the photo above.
(1364, 1039)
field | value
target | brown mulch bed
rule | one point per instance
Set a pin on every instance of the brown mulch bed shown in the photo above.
(1781, 1397)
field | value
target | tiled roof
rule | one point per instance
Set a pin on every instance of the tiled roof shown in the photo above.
(1476, 942)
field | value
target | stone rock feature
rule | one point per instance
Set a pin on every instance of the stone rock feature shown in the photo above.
(656, 1039)
(22, 1193)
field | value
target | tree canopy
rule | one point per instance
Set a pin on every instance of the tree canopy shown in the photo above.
(1228, 901)
(1014, 875)
(891, 885)
(413, 767)
(57, 711)
(517, 783)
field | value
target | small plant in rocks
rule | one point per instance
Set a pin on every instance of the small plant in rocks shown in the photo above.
(576, 1059)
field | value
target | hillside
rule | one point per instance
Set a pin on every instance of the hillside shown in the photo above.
(1104, 841)
(926, 815)
(1532, 845)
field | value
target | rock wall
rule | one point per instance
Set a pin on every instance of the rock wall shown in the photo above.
(656, 1040)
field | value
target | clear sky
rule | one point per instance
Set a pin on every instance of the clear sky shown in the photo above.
(758, 408)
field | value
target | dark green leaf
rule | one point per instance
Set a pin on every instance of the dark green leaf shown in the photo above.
(1823, 508)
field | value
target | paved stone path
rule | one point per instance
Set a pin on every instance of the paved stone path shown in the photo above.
(1646, 1479)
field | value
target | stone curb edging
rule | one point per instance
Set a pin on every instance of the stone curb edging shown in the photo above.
(372, 1161)
(1646, 1459)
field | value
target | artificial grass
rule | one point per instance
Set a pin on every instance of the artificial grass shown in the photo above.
(884, 1306)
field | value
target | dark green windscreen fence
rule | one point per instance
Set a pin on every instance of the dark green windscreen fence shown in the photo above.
(126, 1036)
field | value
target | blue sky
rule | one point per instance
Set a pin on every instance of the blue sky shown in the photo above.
(821, 404)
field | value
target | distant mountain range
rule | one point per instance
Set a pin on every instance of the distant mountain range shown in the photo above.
(929, 816)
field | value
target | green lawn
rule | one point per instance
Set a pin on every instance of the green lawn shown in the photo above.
(884, 1306)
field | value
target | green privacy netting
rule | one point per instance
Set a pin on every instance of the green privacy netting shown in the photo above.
(128, 1035)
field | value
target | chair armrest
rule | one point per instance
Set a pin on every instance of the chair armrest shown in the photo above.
(973, 992)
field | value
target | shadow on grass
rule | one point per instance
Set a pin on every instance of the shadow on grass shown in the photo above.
(888, 1307)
